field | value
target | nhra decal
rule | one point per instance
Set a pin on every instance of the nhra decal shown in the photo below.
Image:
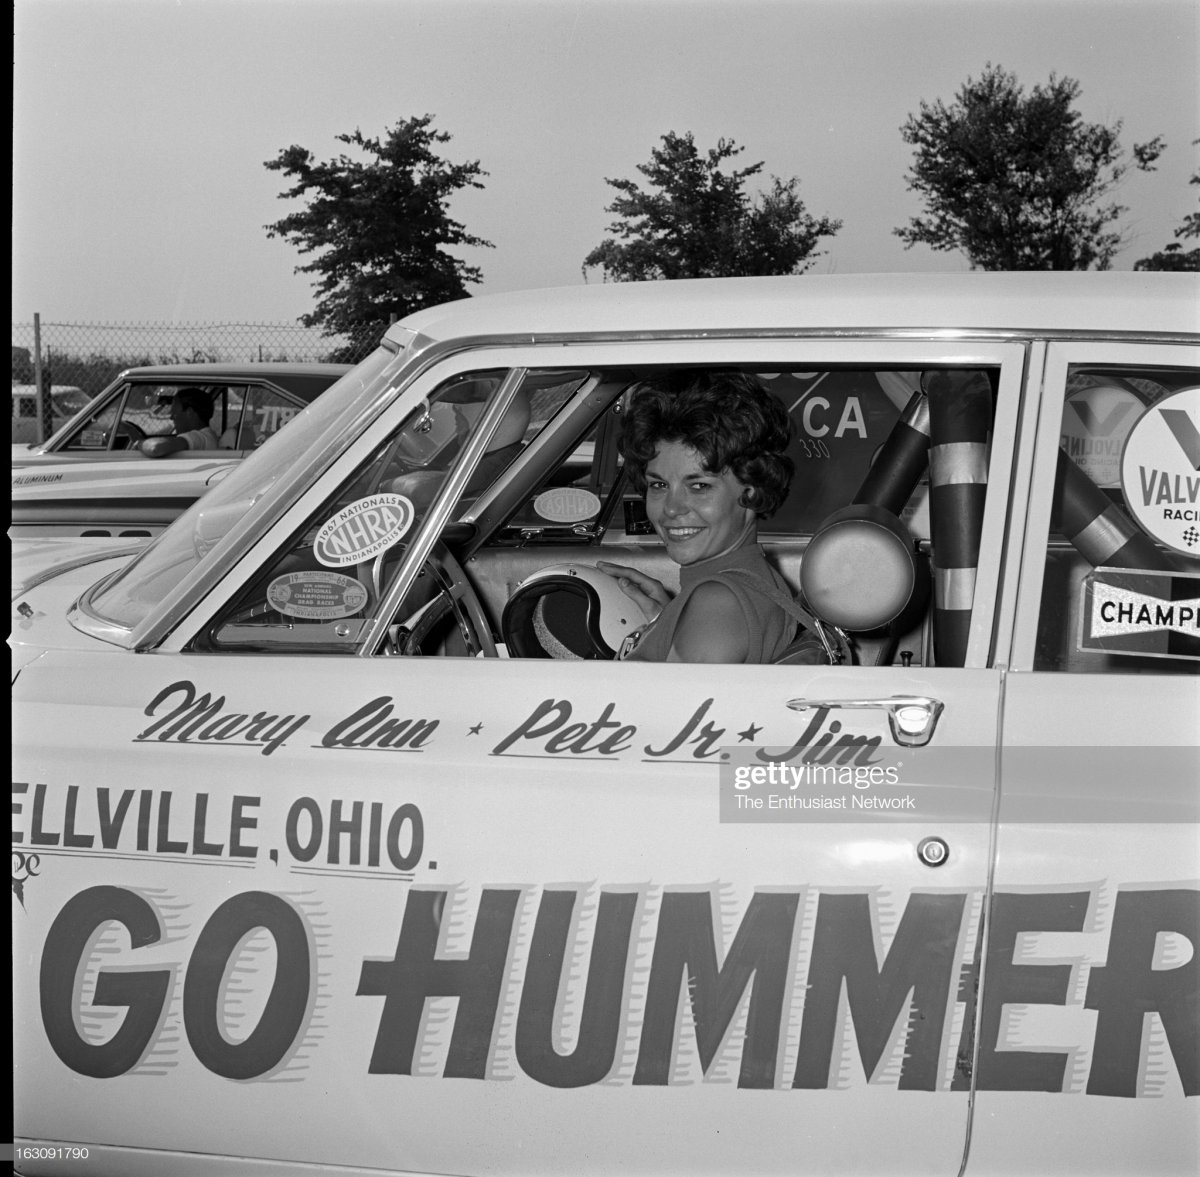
(796, 989)
(363, 529)
(567, 504)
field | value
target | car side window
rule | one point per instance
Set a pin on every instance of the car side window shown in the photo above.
(329, 580)
(1123, 553)
(135, 412)
(844, 420)
(94, 433)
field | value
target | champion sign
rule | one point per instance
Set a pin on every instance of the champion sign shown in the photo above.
(363, 530)
(1155, 614)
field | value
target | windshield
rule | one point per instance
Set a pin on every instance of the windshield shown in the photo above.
(196, 535)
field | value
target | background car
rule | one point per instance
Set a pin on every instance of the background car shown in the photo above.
(250, 402)
(89, 480)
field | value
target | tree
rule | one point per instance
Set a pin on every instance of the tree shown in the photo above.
(1016, 182)
(1173, 256)
(379, 229)
(699, 223)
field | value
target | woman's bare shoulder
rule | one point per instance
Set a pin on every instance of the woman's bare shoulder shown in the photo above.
(712, 627)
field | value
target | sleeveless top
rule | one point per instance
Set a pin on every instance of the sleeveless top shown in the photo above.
(769, 629)
(204, 438)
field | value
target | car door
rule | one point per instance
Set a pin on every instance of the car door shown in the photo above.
(518, 914)
(1092, 977)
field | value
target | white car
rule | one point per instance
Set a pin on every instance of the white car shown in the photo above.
(322, 863)
(250, 402)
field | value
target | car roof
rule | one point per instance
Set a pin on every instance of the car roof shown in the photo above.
(224, 371)
(1043, 303)
(303, 380)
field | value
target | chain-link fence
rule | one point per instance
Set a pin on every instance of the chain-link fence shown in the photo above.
(89, 355)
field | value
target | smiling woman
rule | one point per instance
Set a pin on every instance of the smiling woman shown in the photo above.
(711, 462)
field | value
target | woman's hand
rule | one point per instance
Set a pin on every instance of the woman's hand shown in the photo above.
(648, 594)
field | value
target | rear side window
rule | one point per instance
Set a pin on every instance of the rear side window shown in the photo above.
(1121, 591)
(261, 413)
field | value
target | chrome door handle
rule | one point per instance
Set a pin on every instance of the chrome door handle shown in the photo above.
(912, 718)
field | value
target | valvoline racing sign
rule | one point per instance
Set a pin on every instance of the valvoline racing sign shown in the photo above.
(1160, 471)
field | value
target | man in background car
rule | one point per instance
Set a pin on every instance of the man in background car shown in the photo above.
(191, 412)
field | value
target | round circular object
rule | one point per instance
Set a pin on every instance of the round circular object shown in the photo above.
(1158, 471)
(859, 570)
(568, 611)
(933, 851)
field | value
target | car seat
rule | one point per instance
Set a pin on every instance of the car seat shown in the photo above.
(230, 438)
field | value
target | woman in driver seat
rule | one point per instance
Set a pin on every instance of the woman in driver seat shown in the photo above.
(711, 462)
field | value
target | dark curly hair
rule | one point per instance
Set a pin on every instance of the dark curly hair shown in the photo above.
(729, 419)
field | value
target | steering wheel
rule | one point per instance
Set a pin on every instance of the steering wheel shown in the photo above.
(126, 435)
(453, 597)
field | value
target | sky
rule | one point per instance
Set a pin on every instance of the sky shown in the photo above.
(141, 127)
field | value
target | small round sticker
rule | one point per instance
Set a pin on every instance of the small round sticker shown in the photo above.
(566, 504)
(1160, 471)
(316, 596)
(363, 530)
